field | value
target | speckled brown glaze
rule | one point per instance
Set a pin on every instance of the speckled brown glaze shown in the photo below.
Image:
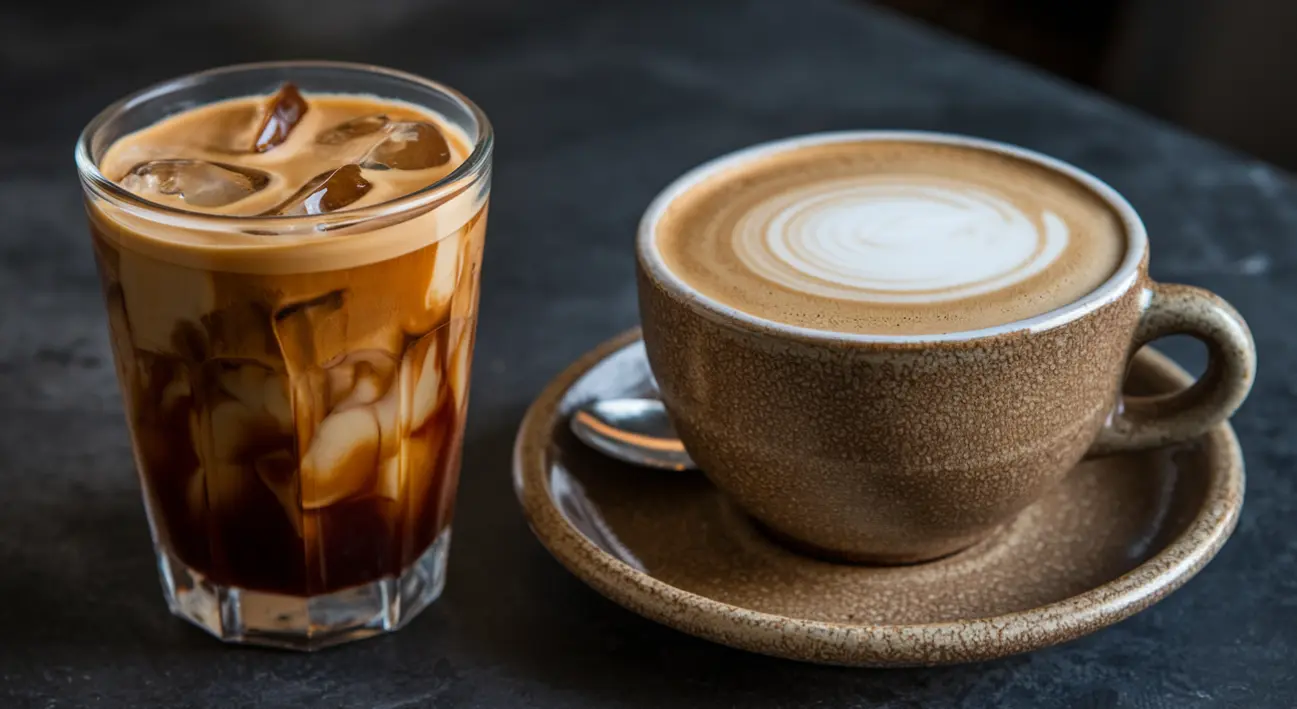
(903, 449)
(1145, 422)
(1118, 534)
(893, 453)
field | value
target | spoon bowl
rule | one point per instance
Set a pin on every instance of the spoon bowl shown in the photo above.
(632, 430)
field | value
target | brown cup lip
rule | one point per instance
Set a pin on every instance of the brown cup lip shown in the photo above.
(649, 259)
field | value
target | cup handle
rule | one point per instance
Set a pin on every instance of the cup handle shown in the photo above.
(1141, 422)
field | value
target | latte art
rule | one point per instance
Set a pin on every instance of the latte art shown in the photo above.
(896, 240)
(888, 236)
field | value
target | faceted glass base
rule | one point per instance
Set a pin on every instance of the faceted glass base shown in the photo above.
(239, 615)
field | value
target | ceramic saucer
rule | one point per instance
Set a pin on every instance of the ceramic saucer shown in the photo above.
(1118, 535)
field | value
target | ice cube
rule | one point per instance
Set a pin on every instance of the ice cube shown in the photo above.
(460, 360)
(261, 391)
(308, 333)
(391, 428)
(465, 301)
(341, 379)
(372, 377)
(383, 144)
(312, 331)
(408, 145)
(391, 409)
(327, 192)
(342, 457)
(389, 478)
(444, 276)
(282, 115)
(350, 130)
(427, 389)
(423, 451)
(197, 182)
(358, 379)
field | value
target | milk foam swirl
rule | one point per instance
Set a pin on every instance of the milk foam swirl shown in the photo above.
(895, 239)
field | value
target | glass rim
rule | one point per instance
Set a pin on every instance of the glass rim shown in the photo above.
(97, 183)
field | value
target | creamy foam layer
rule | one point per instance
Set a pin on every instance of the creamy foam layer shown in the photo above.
(890, 237)
(217, 133)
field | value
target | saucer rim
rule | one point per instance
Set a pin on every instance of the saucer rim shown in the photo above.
(869, 644)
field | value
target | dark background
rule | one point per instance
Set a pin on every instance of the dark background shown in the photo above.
(597, 105)
(1226, 69)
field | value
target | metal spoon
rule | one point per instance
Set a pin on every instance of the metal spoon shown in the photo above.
(635, 431)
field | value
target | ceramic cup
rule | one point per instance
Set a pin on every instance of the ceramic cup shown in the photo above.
(897, 449)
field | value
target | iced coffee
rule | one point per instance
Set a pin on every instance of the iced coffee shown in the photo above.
(291, 281)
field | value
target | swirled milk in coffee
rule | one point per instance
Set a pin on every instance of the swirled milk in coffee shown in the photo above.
(296, 388)
(891, 238)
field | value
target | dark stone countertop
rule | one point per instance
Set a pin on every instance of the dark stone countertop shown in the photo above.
(597, 106)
